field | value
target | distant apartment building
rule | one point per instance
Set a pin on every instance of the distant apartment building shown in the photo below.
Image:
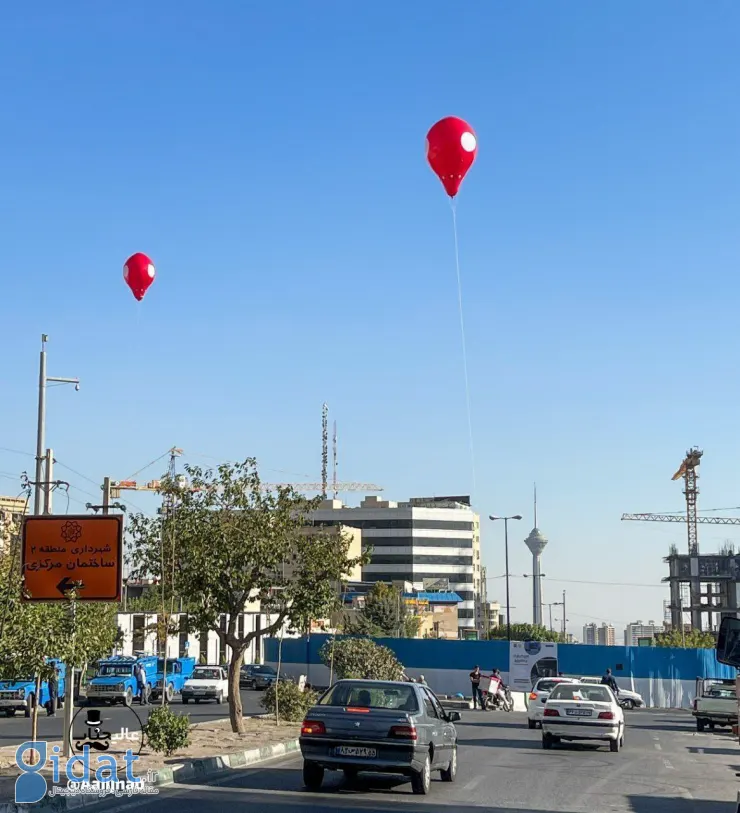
(599, 636)
(12, 511)
(431, 542)
(637, 630)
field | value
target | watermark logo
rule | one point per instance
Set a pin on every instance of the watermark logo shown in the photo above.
(92, 729)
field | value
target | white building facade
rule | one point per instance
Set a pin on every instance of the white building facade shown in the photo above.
(434, 543)
(633, 632)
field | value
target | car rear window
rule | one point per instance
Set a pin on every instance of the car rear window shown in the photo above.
(547, 685)
(577, 691)
(372, 696)
(207, 674)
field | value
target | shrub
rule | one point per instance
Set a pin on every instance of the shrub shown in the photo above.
(361, 658)
(293, 704)
(166, 731)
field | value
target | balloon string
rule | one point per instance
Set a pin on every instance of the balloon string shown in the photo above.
(464, 343)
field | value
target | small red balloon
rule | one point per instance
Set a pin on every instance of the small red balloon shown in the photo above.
(451, 149)
(139, 273)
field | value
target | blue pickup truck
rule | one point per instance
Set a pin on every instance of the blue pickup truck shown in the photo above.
(20, 694)
(115, 681)
(178, 671)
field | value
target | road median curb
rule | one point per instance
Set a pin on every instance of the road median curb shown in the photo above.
(170, 775)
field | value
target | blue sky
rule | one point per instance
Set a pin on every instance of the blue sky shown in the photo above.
(270, 158)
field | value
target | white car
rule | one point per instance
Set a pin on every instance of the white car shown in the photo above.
(206, 683)
(627, 699)
(538, 696)
(583, 711)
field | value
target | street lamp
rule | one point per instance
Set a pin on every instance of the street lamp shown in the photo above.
(493, 518)
(41, 427)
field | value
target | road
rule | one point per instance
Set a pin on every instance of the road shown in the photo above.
(15, 730)
(666, 767)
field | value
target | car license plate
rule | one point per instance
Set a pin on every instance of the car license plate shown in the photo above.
(353, 751)
(578, 712)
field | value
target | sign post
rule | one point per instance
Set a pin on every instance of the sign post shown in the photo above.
(70, 559)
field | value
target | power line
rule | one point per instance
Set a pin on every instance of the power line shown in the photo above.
(582, 581)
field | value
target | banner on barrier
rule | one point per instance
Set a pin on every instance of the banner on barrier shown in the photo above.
(529, 661)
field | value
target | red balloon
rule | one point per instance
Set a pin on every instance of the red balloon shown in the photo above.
(451, 150)
(139, 273)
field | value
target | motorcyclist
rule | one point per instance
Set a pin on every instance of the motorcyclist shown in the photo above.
(497, 690)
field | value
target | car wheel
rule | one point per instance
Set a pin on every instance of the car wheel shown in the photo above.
(10, 712)
(350, 774)
(449, 773)
(628, 704)
(546, 742)
(185, 700)
(170, 692)
(313, 775)
(531, 724)
(614, 745)
(699, 724)
(621, 740)
(219, 699)
(29, 705)
(128, 698)
(421, 781)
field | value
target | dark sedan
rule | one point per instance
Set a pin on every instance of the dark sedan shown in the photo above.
(380, 727)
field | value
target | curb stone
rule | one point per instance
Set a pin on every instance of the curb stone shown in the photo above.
(197, 769)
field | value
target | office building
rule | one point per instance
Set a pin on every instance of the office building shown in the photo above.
(637, 630)
(431, 542)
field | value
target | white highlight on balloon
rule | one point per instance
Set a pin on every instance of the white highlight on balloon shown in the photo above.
(151, 270)
(125, 272)
(468, 142)
(426, 146)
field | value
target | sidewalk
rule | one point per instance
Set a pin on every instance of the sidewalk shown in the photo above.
(213, 749)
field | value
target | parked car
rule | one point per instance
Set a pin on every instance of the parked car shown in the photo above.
(538, 697)
(20, 694)
(115, 681)
(626, 698)
(206, 683)
(264, 676)
(583, 711)
(382, 727)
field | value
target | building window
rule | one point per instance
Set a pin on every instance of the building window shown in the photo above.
(417, 541)
(401, 558)
(466, 613)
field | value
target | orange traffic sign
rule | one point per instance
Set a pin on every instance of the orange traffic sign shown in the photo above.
(63, 552)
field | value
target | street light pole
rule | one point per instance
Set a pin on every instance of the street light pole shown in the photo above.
(42, 476)
(493, 518)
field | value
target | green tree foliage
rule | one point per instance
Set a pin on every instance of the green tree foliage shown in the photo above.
(166, 731)
(285, 698)
(233, 542)
(360, 658)
(384, 614)
(690, 639)
(526, 632)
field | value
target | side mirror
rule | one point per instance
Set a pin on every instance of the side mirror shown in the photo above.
(728, 641)
(453, 716)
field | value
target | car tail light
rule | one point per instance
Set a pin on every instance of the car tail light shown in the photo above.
(533, 695)
(552, 713)
(357, 710)
(311, 727)
(606, 715)
(403, 732)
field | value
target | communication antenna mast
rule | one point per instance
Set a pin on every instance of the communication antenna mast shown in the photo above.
(334, 452)
(324, 450)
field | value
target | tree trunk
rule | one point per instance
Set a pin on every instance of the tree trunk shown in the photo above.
(236, 714)
(35, 709)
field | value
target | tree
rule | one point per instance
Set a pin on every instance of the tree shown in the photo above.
(385, 614)
(689, 639)
(235, 542)
(360, 659)
(526, 632)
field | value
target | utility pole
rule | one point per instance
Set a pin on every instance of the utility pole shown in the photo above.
(565, 619)
(48, 479)
(44, 379)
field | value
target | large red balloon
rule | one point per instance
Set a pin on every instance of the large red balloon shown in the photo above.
(139, 273)
(451, 150)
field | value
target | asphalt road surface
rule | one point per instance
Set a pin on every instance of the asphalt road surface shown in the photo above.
(665, 767)
(15, 730)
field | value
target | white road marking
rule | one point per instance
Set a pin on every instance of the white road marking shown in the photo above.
(668, 765)
(657, 746)
(475, 782)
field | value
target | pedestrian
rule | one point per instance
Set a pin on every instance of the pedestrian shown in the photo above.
(475, 677)
(51, 706)
(609, 680)
(140, 675)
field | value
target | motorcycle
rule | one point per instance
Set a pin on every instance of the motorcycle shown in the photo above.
(493, 702)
